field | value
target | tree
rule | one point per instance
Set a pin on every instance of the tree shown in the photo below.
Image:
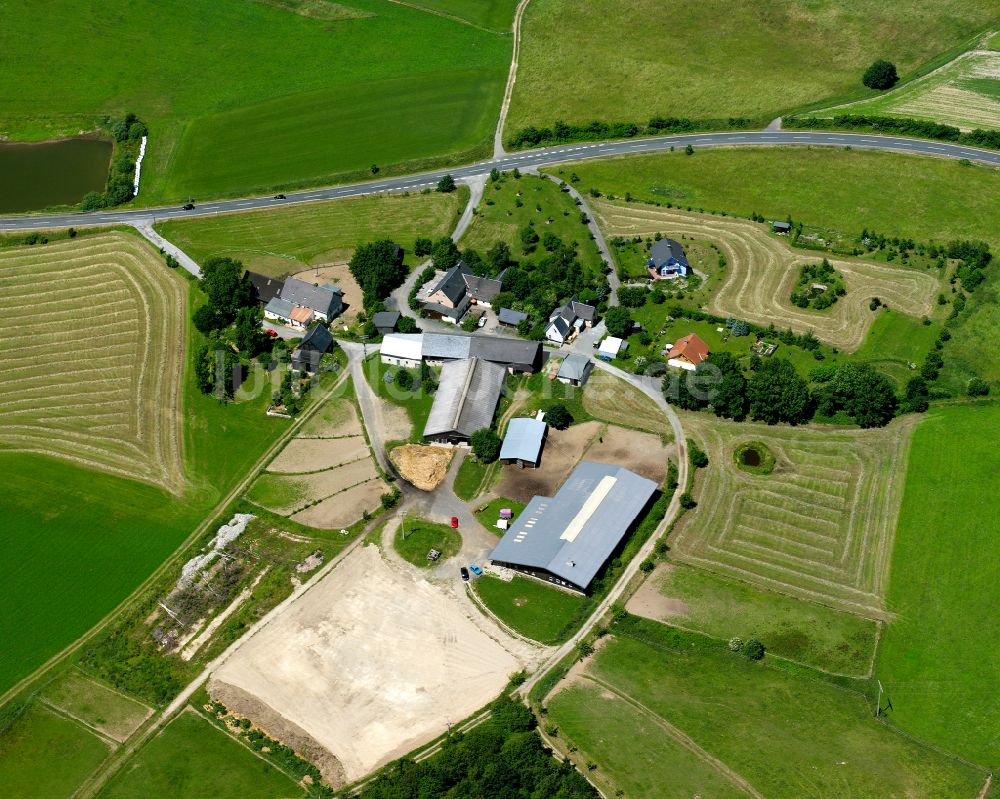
(729, 397)
(697, 456)
(404, 379)
(977, 387)
(250, 337)
(529, 238)
(687, 501)
(753, 649)
(206, 321)
(377, 270)
(689, 150)
(445, 253)
(498, 258)
(618, 321)
(223, 281)
(880, 75)
(776, 393)
(916, 399)
(486, 444)
(407, 325)
(558, 416)
(422, 246)
(204, 363)
(446, 184)
(632, 296)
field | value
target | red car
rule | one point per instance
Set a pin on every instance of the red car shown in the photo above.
(454, 521)
(271, 332)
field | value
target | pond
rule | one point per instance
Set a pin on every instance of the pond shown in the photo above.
(37, 176)
(750, 457)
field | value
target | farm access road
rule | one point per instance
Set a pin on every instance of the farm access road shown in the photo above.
(546, 156)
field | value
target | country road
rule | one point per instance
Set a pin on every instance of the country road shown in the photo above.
(547, 156)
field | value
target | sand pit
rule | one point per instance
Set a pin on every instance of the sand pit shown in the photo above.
(340, 276)
(643, 453)
(563, 450)
(343, 509)
(369, 664)
(311, 454)
(336, 419)
(424, 467)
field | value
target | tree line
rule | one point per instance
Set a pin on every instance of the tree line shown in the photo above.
(564, 132)
(127, 133)
(903, 126)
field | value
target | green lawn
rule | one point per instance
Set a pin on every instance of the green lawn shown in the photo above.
(46, 756)
(937, 659)
(248, 95)
(721, 60)
(415, 401)
(497, 15)
(840, 190)
(109, 711)
(545, 392)
(470, 476)
(794, 628)
(491, 512)
(652, 766)
(191, 759)
(416, 537)
(786, 734)
(531, 608)
(289, 239)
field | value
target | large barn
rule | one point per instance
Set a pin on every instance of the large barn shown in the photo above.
(465, 401)
(567, 539)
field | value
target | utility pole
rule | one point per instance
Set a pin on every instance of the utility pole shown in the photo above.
(878, 705)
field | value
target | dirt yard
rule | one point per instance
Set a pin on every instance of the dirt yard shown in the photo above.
(336, 419)
(311, 454)
(424, 467)
(649, 603)
(643, 453)
(367, 665)
(562, 451)
(339, 275)
(343, 509)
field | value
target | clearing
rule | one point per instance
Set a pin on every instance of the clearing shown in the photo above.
(109, 712)
(368, 664)
(762, 271)
(92, 340)
(612, 399)
(423, 466)
(643, 453)
(726, 60)
(820, 526)
(414, 538)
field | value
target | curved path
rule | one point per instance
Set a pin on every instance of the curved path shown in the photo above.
(546, 156)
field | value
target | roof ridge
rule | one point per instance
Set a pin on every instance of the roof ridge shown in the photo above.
(464, 396)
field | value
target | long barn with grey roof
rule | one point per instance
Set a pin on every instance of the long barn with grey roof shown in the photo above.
(465, 401)
(567, 539)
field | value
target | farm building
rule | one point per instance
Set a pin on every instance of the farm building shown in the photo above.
(465, 401)
(278, 310)
(300, 303)
(781, 227)
(385, 321)
(667, 260)
(522, 443)
(567, 539)
(566, 321)
(611, 348)
(514, 354)
(402, 349)
(575, 369)
(267, 288)
(687, 352)
(483, 290)
(306, 356)
(510, 318)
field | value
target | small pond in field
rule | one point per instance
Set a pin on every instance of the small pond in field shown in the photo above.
(750, 457)
(36, 176)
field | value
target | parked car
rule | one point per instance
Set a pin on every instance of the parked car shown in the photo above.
(482, 321)
(465, 574)
(280, 197)
(476, 570)
(188, 207)
(454, 521)
(271, 332)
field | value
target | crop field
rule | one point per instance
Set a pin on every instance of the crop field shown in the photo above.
(762, 270)
(820, 526)
(937, 658)
(283, 241)
(252, 95)
(837, 190)
(723, 60)
(91, 337)
(965, 93)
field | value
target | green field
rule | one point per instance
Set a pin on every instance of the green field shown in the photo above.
(790, 627)
(937, 659)
(896, 337)
(838, 190)
(494, 14)
(286, 240)
(490, 512)
(191, 759)
(415, 538)
(470, 476)
(109, 711)
(714, 59)
(531, 608)
(251, 95)
(46, 756)
(786, 734)
(972, 350)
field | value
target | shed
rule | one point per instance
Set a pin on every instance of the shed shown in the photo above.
(522, 443)
(611, 348)
(510, 317)
(386, 321)
(574, 369)
(781, 227)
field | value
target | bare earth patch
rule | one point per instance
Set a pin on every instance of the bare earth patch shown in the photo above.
(311, 454)
(340, 276)
(643, 453)
(424, 467)
(649, 603)
(367, 665)
(343, 509)
(562, 451)
(338, 418)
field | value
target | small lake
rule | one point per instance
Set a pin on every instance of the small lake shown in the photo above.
(36, 176)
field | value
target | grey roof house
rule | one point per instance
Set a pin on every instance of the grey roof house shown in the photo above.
(465, 401)
(522, 443)
(307, 355)
(267, 288)
(567, 539)
(483, 290)
(325, 301)
(575, 369)
(386, 321)
(569, 317)
(515, 354)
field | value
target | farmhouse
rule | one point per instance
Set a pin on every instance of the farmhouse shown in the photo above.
(566, 321)
(386, 321)
(667, 260)
(448, 295)
(306, 356)
(465, 401)
(483, 290)
(522, 444)
(567, 539)
(300, 303)
(267, 288)
(575, 369)
(513, 354)
(687, 352)
(402, 349)
(510, 318)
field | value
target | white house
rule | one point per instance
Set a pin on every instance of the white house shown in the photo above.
(402, 349)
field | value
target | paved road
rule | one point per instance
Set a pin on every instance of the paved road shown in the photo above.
(530, 158)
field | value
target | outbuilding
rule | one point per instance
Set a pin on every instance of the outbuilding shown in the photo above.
(465, 401)
(611, 348)
(386, 321)
(307, 355)
(575, 369)
(523, 441)
(402, 349)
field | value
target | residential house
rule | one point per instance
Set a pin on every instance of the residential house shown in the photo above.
(667, 260)
(448, 299)
(307, 355)
(483, 290)
(267, 288)
(299, 303)
(465, 401)
(386, 321)
(575, 369)
(686, 352)
(522, 443)
(566, 321)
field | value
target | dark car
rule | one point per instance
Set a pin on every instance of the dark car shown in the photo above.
(465, 574)
(280, 197)
(188, 207)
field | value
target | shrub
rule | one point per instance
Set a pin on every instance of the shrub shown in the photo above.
(735, 644)
(753, 650)
(404, 379)
(632, 296)
(486, 444)
(558, 416)
(687, 501)
(647, 565)
(881, 75)
(978, 387)
(446, 184)
(697, 456)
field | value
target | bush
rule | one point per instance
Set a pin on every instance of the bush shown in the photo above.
(881, 75)
(558, 416)
(632, 296)
(753, 650)
(486, 445)
(687, 501)
(647, 565)
(404, 379)
(735, 644)
(697, 456)
(446, 184)
(422, 246)
(407, 325)
(978, 387)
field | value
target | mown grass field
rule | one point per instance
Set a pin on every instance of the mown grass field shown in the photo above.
(530, 607)
(251, 95)
(189, 759)
(820, 526)
(498, 15)
(937, 657)
(415, 538)
(839, 190)
(613, 400)
(112, 713)
(722, 608)
(785, 733)
(613, 60)
(286, 240)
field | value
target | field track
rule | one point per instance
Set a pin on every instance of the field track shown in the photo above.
(762, 271)
(820, 526)
(92, 343)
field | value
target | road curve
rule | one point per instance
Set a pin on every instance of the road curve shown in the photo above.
(547, 156)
